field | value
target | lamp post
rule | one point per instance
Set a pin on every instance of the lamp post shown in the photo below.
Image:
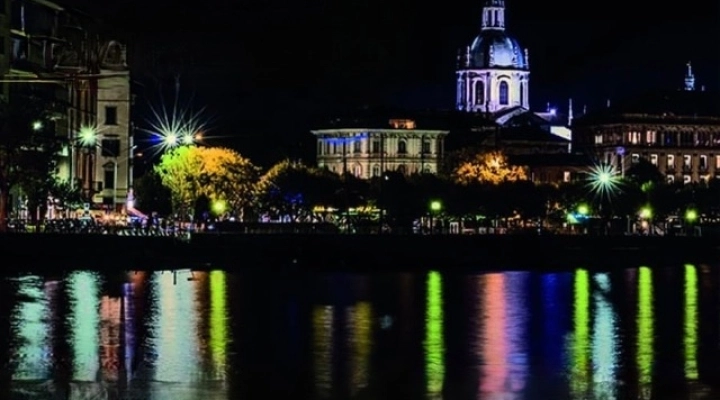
(435, 207)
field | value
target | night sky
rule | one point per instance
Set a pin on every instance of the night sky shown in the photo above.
(266, 67)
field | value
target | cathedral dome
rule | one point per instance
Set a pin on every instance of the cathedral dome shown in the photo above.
(495, 49)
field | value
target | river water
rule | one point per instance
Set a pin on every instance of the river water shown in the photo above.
(635, 333)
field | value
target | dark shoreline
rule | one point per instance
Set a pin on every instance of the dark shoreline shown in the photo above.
(350, 252)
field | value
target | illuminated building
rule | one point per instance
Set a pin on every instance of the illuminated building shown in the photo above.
(55, 52)
(494, 71)
(678, 132)
(368, 149)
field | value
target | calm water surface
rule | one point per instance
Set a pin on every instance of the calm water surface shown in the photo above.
(637, 333)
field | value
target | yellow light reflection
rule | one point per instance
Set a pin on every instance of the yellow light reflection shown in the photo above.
(84, 323)
(218, 323)
(690, 340)
(434, 337)
(580, 343)
(29, 320)
(360, 317)
(605, 352)
(494, 342)
(645, 325)
(323, 330)
(173, 332)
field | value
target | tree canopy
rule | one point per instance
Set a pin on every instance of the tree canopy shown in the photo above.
(219, 174)
(488, 167)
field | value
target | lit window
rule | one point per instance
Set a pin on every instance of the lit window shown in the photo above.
(651, 137)
(635, 158)
(687, 179)
(598, 139)
(654, 159)
(504, 93)
(671, 179)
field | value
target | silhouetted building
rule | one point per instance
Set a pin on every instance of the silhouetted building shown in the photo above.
(60, 53)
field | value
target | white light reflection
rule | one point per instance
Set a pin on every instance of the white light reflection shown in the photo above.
(173, 331)
(84, 322)
(604, 342)
(30, 320)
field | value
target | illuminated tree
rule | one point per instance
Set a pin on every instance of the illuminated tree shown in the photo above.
(491, 167)
(219, 174)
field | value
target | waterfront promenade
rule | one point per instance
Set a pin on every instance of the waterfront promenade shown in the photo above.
(336, 251)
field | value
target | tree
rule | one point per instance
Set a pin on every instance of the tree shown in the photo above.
(29, 149)
(218, 173)
(490, 167)
(152, 195)
(292, 189)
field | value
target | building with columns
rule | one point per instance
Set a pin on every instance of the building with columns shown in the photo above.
(494, 71)
(368, 149)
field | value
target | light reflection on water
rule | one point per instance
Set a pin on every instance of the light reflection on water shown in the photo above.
(581, 334)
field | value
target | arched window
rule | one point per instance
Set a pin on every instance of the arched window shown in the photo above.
(401, 169)
(504, 93)
(376, 170)
(357, 170)
(522, 94)
(479, 93)
(402, 147)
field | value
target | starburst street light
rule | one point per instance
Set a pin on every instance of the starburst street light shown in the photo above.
(87, 135)
(604, 180)
(178, 126)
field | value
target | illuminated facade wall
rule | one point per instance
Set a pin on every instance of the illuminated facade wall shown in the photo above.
(367, 153)
(113, 123)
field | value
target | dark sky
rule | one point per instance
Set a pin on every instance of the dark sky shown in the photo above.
(260, 65)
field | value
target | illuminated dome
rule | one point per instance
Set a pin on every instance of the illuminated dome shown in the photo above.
(495, 49)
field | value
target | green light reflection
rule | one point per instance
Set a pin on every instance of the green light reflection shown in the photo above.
(32, 354)
(434, 340)
(218, 322)
(84, 324)
(580, 342)
(645, 325)
(690, 339)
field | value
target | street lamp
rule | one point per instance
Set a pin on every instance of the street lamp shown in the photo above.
(435, 207)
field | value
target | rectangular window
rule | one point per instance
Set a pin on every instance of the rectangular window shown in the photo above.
(426, 147)
(687, 179)
(109, 181)
(717, 162)
(687, 160)
(357, 146)
(671, 161)
(375, 147)
(703, 162)
(635, 158)
(598, 139)
(654, 159)
(110, 148)
(651, 137)
(671, 179)
(110, 115)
